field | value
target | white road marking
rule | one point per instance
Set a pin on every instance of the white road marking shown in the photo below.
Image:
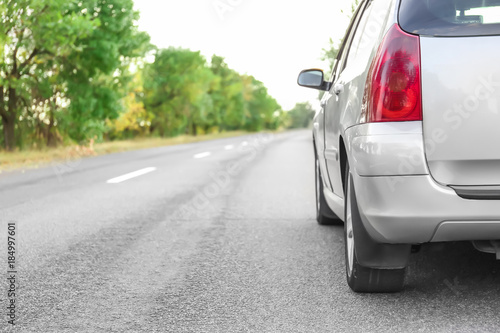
(228, 147)
(130, 175)
(244, 143)
(203, 155)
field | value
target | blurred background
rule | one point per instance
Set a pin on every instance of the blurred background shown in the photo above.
(89, 73)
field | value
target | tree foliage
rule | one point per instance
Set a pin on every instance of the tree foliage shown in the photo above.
(227, 95)
(186, 94)
(63, 64)
(261, 110)
(330, 53)
(176, 91)
(35, 36)
(75, 70)
(300, 116)
(135, 120)
(97, 75)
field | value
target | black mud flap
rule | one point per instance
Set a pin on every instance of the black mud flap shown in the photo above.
(372, 254)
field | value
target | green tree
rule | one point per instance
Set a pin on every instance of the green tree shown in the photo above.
(134, 120)
(63, 64)
(97, 76)
(176, 88)
(227, 96)
(300, 116)
(35, 35)
(261, 110)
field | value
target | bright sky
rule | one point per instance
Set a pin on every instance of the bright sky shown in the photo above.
(271, 40)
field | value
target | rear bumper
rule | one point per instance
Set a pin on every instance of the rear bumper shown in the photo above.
(399, 202)
(415, 209)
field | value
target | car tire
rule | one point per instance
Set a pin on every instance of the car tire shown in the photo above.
(324, 215)
(359, 278)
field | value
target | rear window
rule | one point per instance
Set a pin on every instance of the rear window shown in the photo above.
(450, 17)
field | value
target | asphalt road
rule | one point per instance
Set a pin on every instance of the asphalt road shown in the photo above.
(216, 236)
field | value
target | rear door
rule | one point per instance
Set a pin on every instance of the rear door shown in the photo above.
(333, 106)
(460, 54)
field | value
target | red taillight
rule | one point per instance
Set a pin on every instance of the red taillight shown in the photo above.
(392, 91)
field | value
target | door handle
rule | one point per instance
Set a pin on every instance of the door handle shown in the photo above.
(338, 89)
(323, 103)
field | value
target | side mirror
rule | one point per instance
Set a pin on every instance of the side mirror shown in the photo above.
(313, 78)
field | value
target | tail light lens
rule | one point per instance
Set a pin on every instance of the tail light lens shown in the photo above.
(393, 91)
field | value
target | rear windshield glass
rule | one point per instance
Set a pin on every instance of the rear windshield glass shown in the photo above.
(450, 17)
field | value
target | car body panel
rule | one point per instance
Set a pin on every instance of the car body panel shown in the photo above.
(335, 202)
(461, 106)
(319, 140)
(387, 149)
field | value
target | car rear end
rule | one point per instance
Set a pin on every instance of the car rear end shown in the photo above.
(427, 149)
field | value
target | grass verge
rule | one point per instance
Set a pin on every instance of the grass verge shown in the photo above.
(30, 159)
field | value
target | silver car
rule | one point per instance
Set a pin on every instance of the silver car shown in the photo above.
(407, 141)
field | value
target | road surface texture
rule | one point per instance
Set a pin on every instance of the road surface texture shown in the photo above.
(216, 236)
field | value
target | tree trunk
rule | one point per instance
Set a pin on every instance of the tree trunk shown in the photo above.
(8, 133)
(9, 120)
(194, 129)
(51, 138)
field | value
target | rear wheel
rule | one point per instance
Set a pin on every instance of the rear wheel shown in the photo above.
(324, 215)
(360, 278)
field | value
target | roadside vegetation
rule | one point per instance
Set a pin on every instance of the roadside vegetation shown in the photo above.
(80, 74)
(34, 158)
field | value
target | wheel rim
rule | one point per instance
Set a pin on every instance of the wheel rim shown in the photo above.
(349, 231)
(317, 186)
